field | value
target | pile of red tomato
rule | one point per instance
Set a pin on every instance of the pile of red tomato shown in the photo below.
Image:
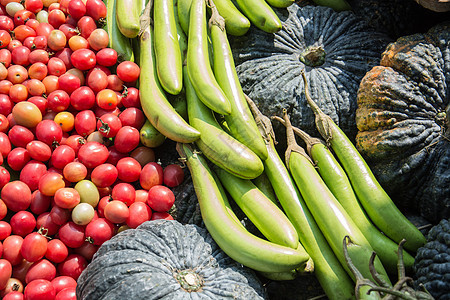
(74, 172)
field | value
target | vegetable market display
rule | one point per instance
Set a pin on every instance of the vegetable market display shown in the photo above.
(90, 90)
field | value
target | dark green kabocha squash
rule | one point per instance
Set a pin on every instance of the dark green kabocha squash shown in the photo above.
(396, 18)
(403, 118)
(165, 260)
(432, 263)
(334, 49)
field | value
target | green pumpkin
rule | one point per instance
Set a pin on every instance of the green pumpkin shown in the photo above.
(164, 259)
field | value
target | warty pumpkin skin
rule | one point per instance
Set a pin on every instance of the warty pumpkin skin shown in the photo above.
(165, 260)
(403, 122)
(334, 48)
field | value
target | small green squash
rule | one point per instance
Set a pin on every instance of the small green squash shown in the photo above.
(403, 119)
(334, 48)
(165, 260)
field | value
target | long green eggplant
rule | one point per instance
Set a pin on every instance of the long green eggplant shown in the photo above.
(184, 8)
(333, 220)
(331, 275)
(260, 210)
(167, 49)
(117, 40)
(199, 64)
(337, 181)
(260, 14)
(154, 103)
(235, 22)
(218, 146)
(376, 202)
(232, 238)
(127, 17)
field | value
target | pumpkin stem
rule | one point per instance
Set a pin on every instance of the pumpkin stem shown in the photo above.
(189, 280)
(313, 56)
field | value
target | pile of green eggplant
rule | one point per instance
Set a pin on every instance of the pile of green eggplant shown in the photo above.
(305, 206)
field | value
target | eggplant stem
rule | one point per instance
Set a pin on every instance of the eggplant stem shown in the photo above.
(263, 122)
(216, 19)
(378, 279)
(401, 264)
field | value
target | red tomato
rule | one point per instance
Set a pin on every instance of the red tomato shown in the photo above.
(56, 18)
(50, 182)
(59, 215)
(82, 98)
(18, 158)
(139, 213)
(39, 42)
(41, 269)
(72, 235)
(57, 251)
(39, 55)
(151, 175)
(108, 125)
(22, 16)
(93, 154)
(124, 192)
(133, 117)
(5, 144)
(15, 43)
(5, 39)
(16, 195)
(128, 169)
(75, 171)
(61, 156)
(22, 223)
(83, 59)
(161, 215)
(58, 101)
(45, 222)
(69, 83)
(141, 196)
(4, 124)
(31, 173)
(19, 93)
(14, 296)
(6, 104)
(173, 175)
(76, 9)
(127, 139)
(20, 55)
(21, 32)
(99, 231)
(20, 136)
(44, 29)
(56, 40)
(17, 74)
(68, 30)
(104, 175)
(39, 203)
(49, 132)
(11, 249)
(34, 247)
(38, 71)
(4, 179)
(12, 286)
(39, 151)
(97, 80)
(5, 272)
(160, 198)
(106, 57)
(67, 198)
(51, 83)
(62, 282)
(72, 266)
(35, 87)
(128, 71)
(116, 212)
(65, 55)
(34, 5)
(39, 289)
(67, 294)
(3, 207)
(102, 203)
(96, 9)
(56, 66)
(6, 23)
(5, 230)
(98, 39)
(86, 25)
(78, 42)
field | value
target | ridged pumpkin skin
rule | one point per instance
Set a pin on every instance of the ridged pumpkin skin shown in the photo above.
(165, 260)
(334, 48)
(432, 262)
(403, 124)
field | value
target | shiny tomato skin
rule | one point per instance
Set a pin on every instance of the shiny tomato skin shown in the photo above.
(86, 25)
(93, 154)
(5, 272)
(104, 175)
(57, 251)
(160, 198)
(62, 282)
(99, 231)
(69, 83)
(139, 213)
(83, 59)
(131, 98)
(41, 269)
(22, 223)
(72, 266)
(61, 156)
(76, 9)
(18, 158)
(49, 132)
(31, 173)
(20, 136)
(39, 203)
(133, 117)
(96, 9)
(21, 32)
(71, 234)
(39, 289)
(128, 71)
(56, 66)
(82, 98)
(108, 125)
(50, 182)
(11, 249)
(39, 55)
(151, 175)
(173, 175)
(45, 221)
(16, 195)
(34, 247)
(127, 139)
(39, 151)
(85, 122)
(128, 169)
(106, 57)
